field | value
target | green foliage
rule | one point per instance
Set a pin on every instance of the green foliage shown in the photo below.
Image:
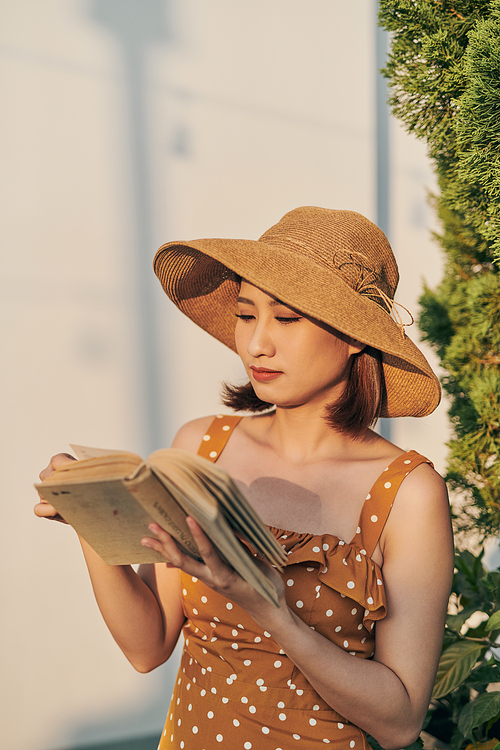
(465, 705)
(444, 75)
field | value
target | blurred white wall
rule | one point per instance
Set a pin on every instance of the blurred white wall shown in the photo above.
(127, 123)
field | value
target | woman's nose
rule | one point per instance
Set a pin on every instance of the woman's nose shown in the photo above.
(261, 342)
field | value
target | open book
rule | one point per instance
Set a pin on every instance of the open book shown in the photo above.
(110, 498)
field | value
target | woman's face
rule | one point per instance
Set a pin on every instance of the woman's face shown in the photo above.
(289, 359)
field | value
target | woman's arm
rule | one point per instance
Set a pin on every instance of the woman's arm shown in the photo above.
(143, 610)
(389, 695)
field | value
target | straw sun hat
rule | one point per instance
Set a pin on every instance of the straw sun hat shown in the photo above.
(334, 266)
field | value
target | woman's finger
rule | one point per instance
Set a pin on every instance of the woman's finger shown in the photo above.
(46, 510)
(58, 460)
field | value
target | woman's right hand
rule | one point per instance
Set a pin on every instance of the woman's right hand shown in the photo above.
(43, 509)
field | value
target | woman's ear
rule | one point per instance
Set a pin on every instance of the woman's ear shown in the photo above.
(355, 346)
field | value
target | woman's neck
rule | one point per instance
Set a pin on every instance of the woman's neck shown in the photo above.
(301, 434)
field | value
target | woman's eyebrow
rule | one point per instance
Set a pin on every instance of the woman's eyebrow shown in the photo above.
(273, 302)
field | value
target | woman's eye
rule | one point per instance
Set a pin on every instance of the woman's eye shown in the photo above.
(288, 320)
(245, 318)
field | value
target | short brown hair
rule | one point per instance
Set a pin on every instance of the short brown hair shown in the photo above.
(357, 408)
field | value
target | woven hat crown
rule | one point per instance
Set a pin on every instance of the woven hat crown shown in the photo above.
(345, 242)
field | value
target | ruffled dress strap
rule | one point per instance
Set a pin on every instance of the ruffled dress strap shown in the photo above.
(214, 441)
(380, 500)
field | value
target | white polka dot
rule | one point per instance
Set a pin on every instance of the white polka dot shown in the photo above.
(247, 745)
(309, 570)
(368, 497)
(277, 664)
(213, 690)
(204, 599)
(386, 485)
(194, 579)
(346, 644)
(252, 709)
(210, 714)
(327, 741)
(325, 546)
(281, 705)
(300, 692)
(354, 611)
(216, 619)
(299, 604)
(340, 726)
(235, 646)
(225, 700)
(236, 722)
(379, 582)
(363, 551)
(182, 744)
(203, 692)
(226, 427)
(315, 707)
(268, 635)
(290, 582)
(358, 530)
(195, 611)
(213, 454)
(260, 681)
(234, 632)
(229, 681)
(195, 730)
(329, 612)
(370, 600)
(316, 549)
(344, 561)
(350, 584)
(358, 558)
(219, 738)
(296, 736)
(206, 437)
(360, 626)
(184, 592)
(367, 612)
(229, 605)
(408, 461)
(244, 699)
(341, 542)
(374, 519)
(265, 730)
(247, 662)
(257, 639)
(352, 743)
(313, 722)
(213, 625)
(338, 628)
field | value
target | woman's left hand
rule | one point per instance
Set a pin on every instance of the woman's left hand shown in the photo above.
(216, 574)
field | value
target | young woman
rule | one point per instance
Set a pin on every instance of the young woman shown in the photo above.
(354, 645)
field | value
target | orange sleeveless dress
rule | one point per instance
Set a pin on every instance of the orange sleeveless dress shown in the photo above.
(236, 689)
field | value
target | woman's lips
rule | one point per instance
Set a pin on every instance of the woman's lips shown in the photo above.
(263, 375)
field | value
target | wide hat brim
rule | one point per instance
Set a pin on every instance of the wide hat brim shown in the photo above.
(201, 278)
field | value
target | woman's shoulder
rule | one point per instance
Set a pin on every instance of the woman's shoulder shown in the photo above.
(189, 436)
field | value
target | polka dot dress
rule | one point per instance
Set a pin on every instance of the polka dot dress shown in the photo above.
(236, 689)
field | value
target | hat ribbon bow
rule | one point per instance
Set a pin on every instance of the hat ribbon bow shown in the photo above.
(365, 284)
